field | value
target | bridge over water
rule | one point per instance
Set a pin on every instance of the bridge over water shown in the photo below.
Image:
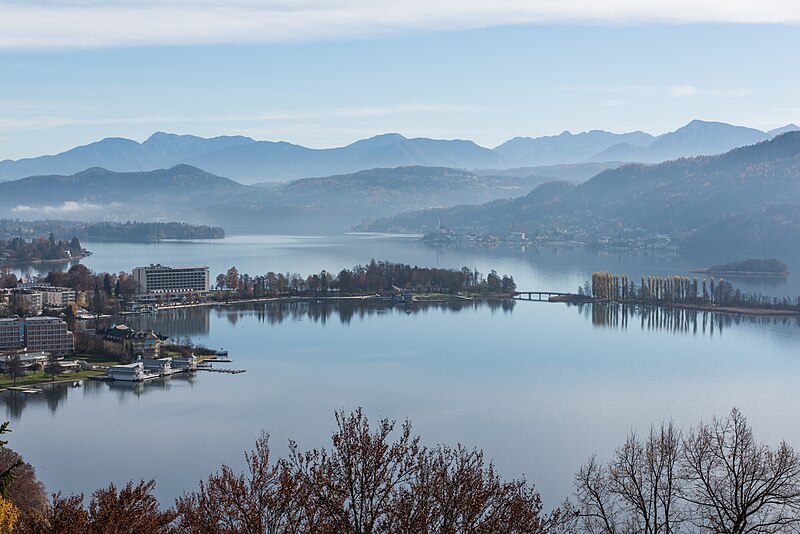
(539, 296)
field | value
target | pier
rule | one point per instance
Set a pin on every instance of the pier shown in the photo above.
(539, 296)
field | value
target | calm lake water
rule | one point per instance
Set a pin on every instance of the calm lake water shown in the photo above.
(533, 268)
(538, 386)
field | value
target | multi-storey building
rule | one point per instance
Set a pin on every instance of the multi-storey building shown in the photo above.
(48, 334)
(29, 299)
(56, 297)
(10, 333)
(127, 343)
(170, 283)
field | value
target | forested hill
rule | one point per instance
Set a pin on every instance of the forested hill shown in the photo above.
(332, 203)
(98, 185)
(749, 197)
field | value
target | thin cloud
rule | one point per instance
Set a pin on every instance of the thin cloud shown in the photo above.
(650, 91)
(688, 91)
(13, 121)
(67, 207)
(88, 23)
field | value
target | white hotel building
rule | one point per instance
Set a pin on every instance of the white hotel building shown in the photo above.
(170, 283)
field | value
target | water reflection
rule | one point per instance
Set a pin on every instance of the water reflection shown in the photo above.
(55, 396)
(323, 311)
(675, 320)
(196, 321)
(175, 323)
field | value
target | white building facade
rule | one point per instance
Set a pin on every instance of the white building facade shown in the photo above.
(56, 297)
(170, 283)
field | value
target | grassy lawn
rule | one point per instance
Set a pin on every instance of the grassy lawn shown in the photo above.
(40, 377)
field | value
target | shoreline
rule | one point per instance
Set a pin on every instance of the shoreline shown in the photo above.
(265, 300)
(23, 263)
(40, 385)
(743, 274)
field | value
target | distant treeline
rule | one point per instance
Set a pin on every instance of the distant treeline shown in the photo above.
(679, 290)
(127, 231)
(148, 231)
(366, 279)
(42, 248)
(771, 266)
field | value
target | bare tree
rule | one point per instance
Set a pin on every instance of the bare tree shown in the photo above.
(736, 485)
(717, 480)
(267, 500)
(370, 481)
(354, 483)
(129, 510)
(53, 364)
(14, 367)
(454, 490)
(636, 492)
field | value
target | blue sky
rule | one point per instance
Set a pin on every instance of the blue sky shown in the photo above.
(321, 82)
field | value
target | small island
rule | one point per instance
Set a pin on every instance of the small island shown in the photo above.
(755, 268)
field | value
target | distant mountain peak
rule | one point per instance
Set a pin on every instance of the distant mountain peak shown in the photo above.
(160, 135)
(791, 127)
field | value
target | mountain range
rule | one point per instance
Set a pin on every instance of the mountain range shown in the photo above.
(248, 161)
(183, 192)
(748, 198)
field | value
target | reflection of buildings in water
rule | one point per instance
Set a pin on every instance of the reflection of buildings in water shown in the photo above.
(676, 320)
(55, 395)
(124, 389)
(181, 322)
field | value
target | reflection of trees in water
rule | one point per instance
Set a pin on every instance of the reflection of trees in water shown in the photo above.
(15, 402)
(56, 394)
(676, 320)
(196, 321)
(322, 311)
(174, 323)
(52, 395)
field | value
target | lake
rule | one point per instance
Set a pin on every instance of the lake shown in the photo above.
(533, 268)
(538, 386)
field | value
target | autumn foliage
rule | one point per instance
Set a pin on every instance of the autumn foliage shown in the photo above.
(8, 516)
(366, 483)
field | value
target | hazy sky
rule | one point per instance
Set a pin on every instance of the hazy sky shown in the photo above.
(327, 72)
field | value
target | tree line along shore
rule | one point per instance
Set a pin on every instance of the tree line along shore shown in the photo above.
(686, 292)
